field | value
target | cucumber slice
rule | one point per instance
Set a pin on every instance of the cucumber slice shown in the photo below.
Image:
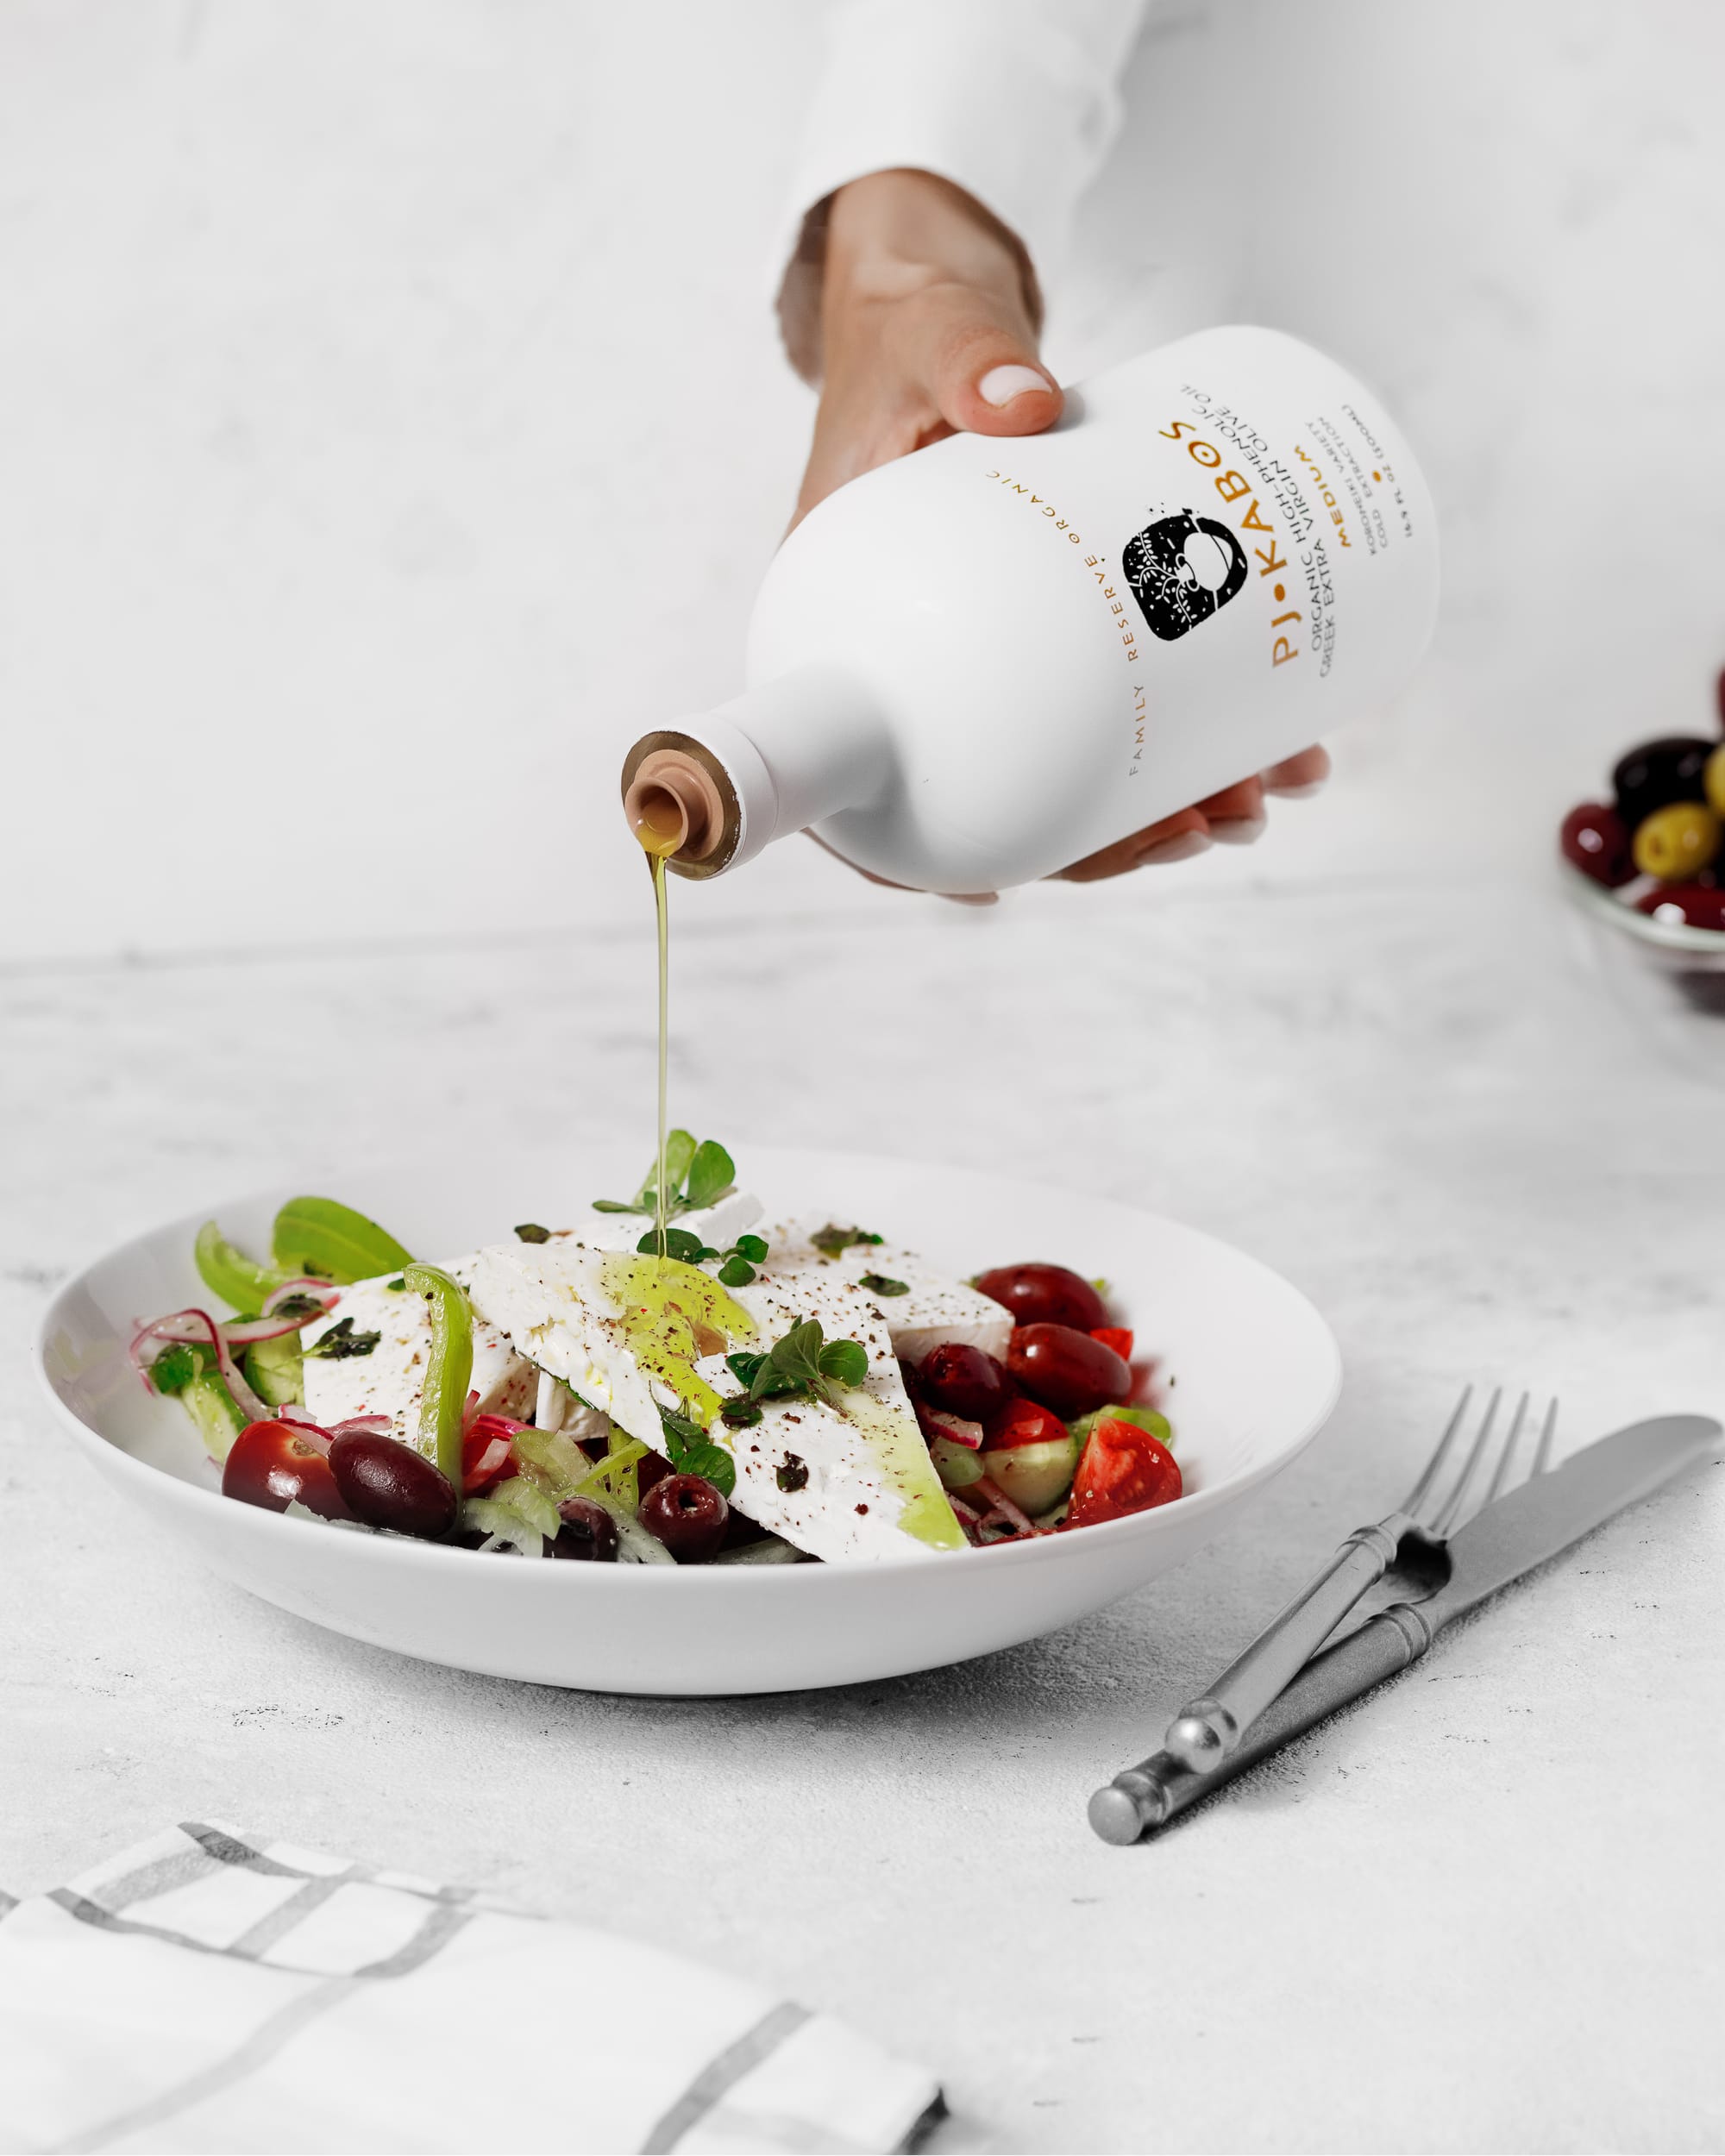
(275, 1371)
(1034, 1477)
(955, 1464)
(322, 1237)
(216, 1412)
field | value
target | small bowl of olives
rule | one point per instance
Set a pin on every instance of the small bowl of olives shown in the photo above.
(1646, 871)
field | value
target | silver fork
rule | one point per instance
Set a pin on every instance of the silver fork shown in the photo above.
(1410, 1539)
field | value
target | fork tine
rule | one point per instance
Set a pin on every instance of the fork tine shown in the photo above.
(1508, 1452)
(1542, 1457)
(1421, 1490)
(1446, 1514)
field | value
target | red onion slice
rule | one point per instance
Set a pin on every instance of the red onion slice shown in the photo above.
(969, 1434)
(322, 1291)
(199, 1327)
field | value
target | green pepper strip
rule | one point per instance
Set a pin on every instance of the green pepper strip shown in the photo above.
(227, 1271)
(449, 1371)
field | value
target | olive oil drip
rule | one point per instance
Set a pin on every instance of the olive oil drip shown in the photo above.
(660, 841)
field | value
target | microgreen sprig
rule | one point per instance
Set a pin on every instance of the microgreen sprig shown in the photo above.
(691, 1451)
(833, 1239)
(740, 1260)
(695, 1176)
(803, 1365)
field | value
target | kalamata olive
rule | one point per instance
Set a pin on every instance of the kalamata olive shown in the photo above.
(1596, 840)
(965, 1381)
(1713, 781)
(1658, 774)
(1066, 1370)
(388, 1484)
(274, 1465)
(1675, 842)
(1044, 1294)
(652, 1468)
(1686, 905)
(588, 1532)
(687, 1514)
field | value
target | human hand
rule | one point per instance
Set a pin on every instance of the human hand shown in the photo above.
(929, 323)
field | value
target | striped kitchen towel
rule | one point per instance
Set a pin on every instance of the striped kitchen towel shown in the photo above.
(206, 1990)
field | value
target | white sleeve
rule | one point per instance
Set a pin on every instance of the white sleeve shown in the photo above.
(1015, 100)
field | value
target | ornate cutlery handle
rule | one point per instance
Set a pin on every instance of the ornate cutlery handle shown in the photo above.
(1159, 1788)
(1210, 1729)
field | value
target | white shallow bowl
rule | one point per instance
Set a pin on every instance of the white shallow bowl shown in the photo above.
(1253, 1374)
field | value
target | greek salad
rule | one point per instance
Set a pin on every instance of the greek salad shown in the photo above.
(688, 1384)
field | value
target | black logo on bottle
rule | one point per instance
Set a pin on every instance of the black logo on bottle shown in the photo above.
(1183, 568)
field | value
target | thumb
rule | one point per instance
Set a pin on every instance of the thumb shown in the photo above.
(981, 368)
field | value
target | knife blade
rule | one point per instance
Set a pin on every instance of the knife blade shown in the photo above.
(1527, 1528)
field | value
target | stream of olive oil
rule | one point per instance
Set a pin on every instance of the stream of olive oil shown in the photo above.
(659, 844)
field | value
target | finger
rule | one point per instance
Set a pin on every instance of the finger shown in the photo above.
(1236, 814)
(977, 358)
(1300, 774)
(1179, 837)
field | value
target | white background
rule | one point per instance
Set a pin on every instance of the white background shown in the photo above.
(392, 421)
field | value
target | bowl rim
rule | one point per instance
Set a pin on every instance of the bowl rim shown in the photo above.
(1602, 905)
(154, 1483)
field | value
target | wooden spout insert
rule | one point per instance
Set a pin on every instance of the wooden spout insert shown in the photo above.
(674, 807)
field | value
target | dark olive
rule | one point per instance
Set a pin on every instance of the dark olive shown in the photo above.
(1066, 1370)
(1044, 1294)
(588, 1532)
(1686, 905)
(1658, 773)
(687, 1514)
(965, 1381)
(1596, 840)
(652, 1468)
(388, 1484)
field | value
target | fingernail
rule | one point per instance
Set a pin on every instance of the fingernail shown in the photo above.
(1186, 846)
(969, 898)
(1001, 384)
(1236, 830)
(1295, 793)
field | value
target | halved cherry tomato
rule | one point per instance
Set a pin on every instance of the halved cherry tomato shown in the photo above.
(275, 1465)
(1117, 1337)
(1022, 1421)
(1123, 1470)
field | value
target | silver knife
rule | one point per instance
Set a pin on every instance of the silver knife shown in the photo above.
(1508, 1538)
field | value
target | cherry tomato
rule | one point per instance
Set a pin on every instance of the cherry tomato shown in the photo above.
(1692, 905)
(1117, 1337)
(1066, 1370)
(1596, 840)
(1044, 1294)
(965, 1381)
(1022, 1422)
(388, 1484)
(688, 1514)
(1676, 840)
(1123, 1470)
(274, 1465)
(1658, 774)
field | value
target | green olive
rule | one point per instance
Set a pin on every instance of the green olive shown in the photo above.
(1676, 842)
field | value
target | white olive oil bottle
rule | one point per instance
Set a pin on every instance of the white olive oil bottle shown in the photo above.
(992, 658)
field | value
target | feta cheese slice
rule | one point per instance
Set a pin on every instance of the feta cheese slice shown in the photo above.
(718, 1226)
(390, 1380)
(849, 1483)
(934, 1308)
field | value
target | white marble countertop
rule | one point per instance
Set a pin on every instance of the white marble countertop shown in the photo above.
(1481, 1910)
